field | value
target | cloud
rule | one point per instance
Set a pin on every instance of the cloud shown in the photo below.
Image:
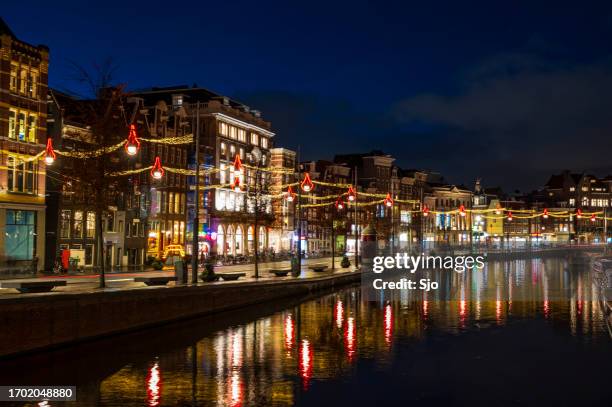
(521, 115)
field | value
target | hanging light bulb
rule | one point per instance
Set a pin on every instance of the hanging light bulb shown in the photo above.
(462, 210)
(510, 216)
(498, 209)
(157, 171)
(388, 200)
(290, 195)
(545, 215)
(593, 218)
(132, 145)
(307, 184)
(49, 153)
(425, 211)
(579, 213)
(351, 194)
(339, 203)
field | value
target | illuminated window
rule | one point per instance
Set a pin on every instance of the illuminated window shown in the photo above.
(32, 128)
(222, 174)
(572, 189)
(12, 123)
(21, 121)
(91, 225)
(77, 226)
(242, 135)
(171, 202)
(232, 132)
(13, 82)
(21, 175)
(254, 139)
(32, 83)
(23, 76)
(19, 240)
(223, 128)
(177, 203)
(264, 142)
(65, 224)
(572, 202)
(223, 149)
(232, 151)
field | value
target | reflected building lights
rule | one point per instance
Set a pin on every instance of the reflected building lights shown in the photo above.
(339, 314)
(306, 362)
(349, 338)
(154, 386)
(388, 324)
(289, 332)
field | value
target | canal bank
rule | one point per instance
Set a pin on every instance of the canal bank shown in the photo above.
(45, 321)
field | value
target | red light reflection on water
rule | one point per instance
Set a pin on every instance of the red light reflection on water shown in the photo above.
(235, 390)
(305, 362)
(546, 308)
(388, 324)
(154, 384)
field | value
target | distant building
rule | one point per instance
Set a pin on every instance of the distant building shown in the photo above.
(282, 231)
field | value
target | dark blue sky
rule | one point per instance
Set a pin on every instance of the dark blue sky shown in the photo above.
(506, 91)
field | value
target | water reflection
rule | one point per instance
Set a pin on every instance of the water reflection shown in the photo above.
(278, 359)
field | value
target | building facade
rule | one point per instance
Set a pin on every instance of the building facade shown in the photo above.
(23, 115)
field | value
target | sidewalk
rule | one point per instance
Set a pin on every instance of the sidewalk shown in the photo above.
(123, 280)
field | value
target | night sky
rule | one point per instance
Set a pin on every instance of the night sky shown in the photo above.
(505, 91)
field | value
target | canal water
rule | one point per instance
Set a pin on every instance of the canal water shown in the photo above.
(531, 347)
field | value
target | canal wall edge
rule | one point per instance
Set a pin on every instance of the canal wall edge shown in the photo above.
(47, 321)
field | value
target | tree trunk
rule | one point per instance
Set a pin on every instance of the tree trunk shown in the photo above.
(100, 246)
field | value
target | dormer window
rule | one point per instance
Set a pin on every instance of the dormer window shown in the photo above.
(177, 101)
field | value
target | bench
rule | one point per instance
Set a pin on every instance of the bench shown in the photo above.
(318, 267)
(33, 286)
(231, 276)
(154, 281)
(280, 272)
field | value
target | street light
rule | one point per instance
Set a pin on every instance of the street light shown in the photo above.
(49, 153)
(157, 171)
(132, 145)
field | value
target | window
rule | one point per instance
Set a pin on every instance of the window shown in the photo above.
(110, 222)
(223, 149)
(242, 135)
(65, 224)
(32, 83)
(171, 202)
(23, 76)
(177, 203)
(177, 101)
(88, 254)
(21, 175)
(572, 189)
(264, 142)
(77, 226)
(254, 139)
(13, 82)
(22, 125)
(572, 202)
(19, 242)
(32, 128)
(12, 130)
(222, 174)
(233, 132)
(232, 151)
(223, 129)
(91, 225)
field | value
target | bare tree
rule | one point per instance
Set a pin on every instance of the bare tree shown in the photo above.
(93, 161)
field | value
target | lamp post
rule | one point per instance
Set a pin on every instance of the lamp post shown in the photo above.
(256, 157)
